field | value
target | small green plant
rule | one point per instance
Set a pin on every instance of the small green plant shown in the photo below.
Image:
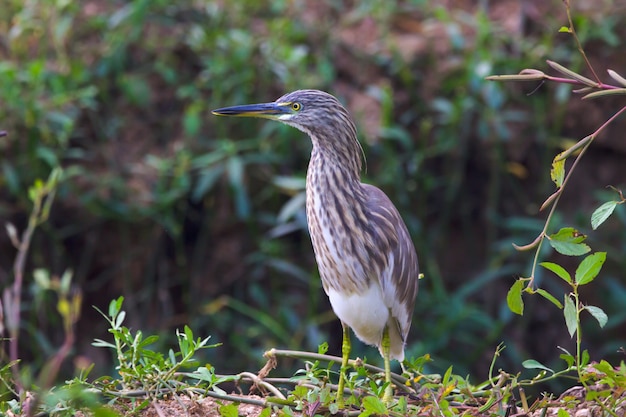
(569, 241)
(142, 368)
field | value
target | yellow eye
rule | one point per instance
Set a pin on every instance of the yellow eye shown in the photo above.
(296, 106)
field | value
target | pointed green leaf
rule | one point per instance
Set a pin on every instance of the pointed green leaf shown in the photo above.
(598, 314)
(602, 213)
(568, 234)
(567, 358)
(558, 270)
(545, 294)
(446, 376)
(557, 173)
(115, 306)
(570, 315)
(374, 405)
(568, 241)
(229, 410)
(267, 412)
(584, 358)
(514, 298)
(570, 249)
(562, 413)
(589, 268)
(533, 364)
(604, 367)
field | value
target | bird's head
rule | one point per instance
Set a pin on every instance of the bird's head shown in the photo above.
(312, 111)
(316, 113)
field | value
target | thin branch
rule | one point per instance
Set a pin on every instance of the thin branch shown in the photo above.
(399, 379)
(265, 384)
(578, 44)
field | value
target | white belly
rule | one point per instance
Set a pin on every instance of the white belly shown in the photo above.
(366, 313)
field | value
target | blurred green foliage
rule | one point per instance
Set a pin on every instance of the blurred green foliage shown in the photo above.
(201, 222)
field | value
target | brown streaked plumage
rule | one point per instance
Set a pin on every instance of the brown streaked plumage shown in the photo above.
(366, 259)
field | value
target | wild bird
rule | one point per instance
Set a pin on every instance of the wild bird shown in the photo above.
(364, 253)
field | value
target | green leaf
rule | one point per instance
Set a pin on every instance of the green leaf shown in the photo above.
(102, 411)
(446, 376)
(567, 358)
(204, 373)
(568, 241)
(564, 29)
(589, 268)
(571, 318)
(604, 367)
(230, 410)
(373, 405)
(533, 364)
(602, 213)
(514, 297)
(568, 234)
(570, 249)
(558, 270)
(322, 348)
(557, 173)
(115, 306)
(598, 314)
(562, 413)
(267, 412)
(545, 294)
(584, 360)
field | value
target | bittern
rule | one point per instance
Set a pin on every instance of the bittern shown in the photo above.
(364, 253)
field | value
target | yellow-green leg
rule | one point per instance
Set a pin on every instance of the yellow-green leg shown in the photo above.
(386, 346)
(345, 353)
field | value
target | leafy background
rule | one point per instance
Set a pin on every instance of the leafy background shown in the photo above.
(198, 220)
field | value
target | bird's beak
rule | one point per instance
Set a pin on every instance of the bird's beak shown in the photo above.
(264, 110)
